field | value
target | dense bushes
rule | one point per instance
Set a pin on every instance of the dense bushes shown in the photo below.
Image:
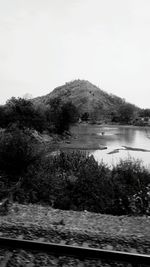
(80, 183)
(23, 113)
(71, 180)
(18, 152)
(129, 178)
(54, 116)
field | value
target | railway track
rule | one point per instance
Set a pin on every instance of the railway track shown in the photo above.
(75, 251)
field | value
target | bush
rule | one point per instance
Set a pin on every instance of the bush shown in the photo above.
(18, 150)
(129, 178)
(24, 113)
(72, 180)
(126, 113)
(76, 181)
(55, 116)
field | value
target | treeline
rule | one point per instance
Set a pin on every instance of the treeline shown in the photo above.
(55, 117)
(144, 112)
(72, 181)
(129, 114)
(125, 113)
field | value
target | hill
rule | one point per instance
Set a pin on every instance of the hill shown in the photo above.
(85, 96)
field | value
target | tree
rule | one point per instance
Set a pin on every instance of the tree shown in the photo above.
(144, 112)
(69, 114)
(115, 116)
(24, 113)
(126, 113)
(60, 115)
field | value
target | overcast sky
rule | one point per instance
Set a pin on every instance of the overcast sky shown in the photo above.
(45, 43)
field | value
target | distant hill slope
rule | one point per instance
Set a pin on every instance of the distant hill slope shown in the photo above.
(85, 96)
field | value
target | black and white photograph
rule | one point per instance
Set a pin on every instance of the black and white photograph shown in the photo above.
(74, 133)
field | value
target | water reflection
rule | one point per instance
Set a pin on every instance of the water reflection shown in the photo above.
(125, 136)
(116, 137)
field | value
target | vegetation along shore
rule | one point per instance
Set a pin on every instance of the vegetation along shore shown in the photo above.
(70, 194)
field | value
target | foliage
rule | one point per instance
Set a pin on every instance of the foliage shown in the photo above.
(129, 179)
(22, 112)
(60, 115)
(115, 117)
(76, 181)
(69, 181)
(2, 116)
(55, 117)
(86, 97)
(126, 113)
(17, 151)
(72, 180)
(144, 112)
(140, 202)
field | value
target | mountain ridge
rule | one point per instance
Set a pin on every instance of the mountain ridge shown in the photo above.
(86, 96)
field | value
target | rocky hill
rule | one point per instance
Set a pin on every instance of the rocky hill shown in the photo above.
(85, 96)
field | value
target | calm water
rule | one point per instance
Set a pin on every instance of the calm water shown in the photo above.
(115, 137)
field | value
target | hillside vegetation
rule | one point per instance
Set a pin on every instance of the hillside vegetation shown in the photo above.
(70, 181)
(86, 97)
(73, 181)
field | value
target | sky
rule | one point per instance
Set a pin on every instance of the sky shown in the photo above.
(46, 43)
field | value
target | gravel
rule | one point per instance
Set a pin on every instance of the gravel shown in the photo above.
(86, 229)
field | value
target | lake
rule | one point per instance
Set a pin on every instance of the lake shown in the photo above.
(121, 142)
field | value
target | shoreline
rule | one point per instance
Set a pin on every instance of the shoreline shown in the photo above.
(93, 140)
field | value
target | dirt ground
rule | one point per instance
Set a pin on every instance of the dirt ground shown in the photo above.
(35, 222)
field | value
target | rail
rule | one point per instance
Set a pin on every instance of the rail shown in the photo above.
(75, 251)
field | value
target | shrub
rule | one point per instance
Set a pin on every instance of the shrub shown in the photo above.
(72, 180)
(129, 178)
(18, 150)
